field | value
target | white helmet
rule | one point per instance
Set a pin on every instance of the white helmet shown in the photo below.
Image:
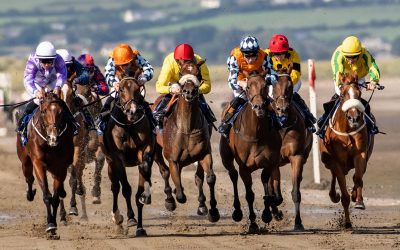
(66, 56)
(45, 50)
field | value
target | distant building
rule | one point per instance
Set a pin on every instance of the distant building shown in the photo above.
(210, 4)
(130, 16)
(58, 39)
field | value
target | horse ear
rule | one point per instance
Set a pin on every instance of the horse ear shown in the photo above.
(246, 74)
(201, 62)
(263, 73)
(289, 70)
(137, 73)
(243, 83)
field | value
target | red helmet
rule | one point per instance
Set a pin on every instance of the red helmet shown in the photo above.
(183, 52)
(278, 44)
(86, 59)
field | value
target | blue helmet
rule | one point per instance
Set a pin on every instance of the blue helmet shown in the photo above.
(249, 44)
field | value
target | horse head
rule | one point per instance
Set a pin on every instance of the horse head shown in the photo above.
(51, 119)
(129, 97)
(350, 95)
(190, 79)
(282, 94)
(256, 91)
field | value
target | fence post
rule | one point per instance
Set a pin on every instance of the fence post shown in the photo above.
(313, 109)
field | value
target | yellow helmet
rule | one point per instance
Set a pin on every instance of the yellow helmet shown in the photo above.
(122, 54)
(351, 46)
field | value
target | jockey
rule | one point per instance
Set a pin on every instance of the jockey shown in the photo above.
(44, 69)
(96, 77)
(284, 57)
(79, 75)
(169, 76)
(247, 57)
(351, 57)
(130, 60)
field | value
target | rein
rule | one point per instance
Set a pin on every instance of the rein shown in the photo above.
(16, 105)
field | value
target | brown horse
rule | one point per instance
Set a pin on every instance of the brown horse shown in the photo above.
(254, 144)
(49, 148)
(128, 141)
(93, 151)
(296, 143)
(185, 140)
(347, 145)
(78, 164)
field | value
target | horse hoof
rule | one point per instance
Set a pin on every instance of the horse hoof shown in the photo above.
(237, 215)
(52, 235)
(336, 198)
(73, 211)
(298, 227)
(145, 200)
(266, 216)
(359, 205)
(213, 215)
(30, 195)
(253, 228)
(181, 199)
(63, 222)
(119, 220)
(170, 204)
(348, 225)
(84, 218)
(132, 222)
(278, 216)
(202, 211)
(96, 200)
(51, 227)
(140, 232)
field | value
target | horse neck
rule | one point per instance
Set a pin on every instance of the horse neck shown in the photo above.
(187, 114)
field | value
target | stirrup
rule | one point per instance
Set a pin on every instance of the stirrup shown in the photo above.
(224, 129)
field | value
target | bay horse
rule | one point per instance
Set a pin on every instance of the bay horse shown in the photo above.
(184, 140)
(347, 145)
(254, 144)
(128, 141)
(296, 143)
(80, 143)
(92, 151)
(49, 149)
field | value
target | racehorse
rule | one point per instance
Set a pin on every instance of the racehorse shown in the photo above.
(347, 145)
(49, 148)
(93, 151)
(128, 141)
(254, 144)
(296, 143)
(184, 140)
(80, 143)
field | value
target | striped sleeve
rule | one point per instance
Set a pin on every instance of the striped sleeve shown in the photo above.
(233, 69)
(148, 70)
(271, 76)
(373, 69)
(109, 72)
(337, 65)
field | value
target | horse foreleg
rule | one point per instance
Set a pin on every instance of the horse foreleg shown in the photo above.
(96, 190)
(297, 176)
(170, 204)
(206, 164)
(345, 198)
(268, 198)
(273, 193)
(199, 180)
(113, 175)
(360, 165)
(27, 169)
(73, 182)
(127, 193)
(145, 171)
(248, 183)
(175, 171)
(335, 197)
(139, 203)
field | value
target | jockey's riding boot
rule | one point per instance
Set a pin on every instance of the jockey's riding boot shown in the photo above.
(206, 110)
(371, 125)
(322, 121)
(88, 119)
(100, 122)
(23, 120)
(159, 111)
(225, 125)
(309, 118)
(70, 118)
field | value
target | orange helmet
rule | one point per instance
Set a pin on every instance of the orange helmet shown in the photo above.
(183, 52)
(122, 54)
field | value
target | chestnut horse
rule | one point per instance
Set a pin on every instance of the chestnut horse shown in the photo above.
(184, 140)
(93, 151)
(49, 148)
(347, 145)
(254, 144)
(80, 143)
(296, 143)
(128, 141)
